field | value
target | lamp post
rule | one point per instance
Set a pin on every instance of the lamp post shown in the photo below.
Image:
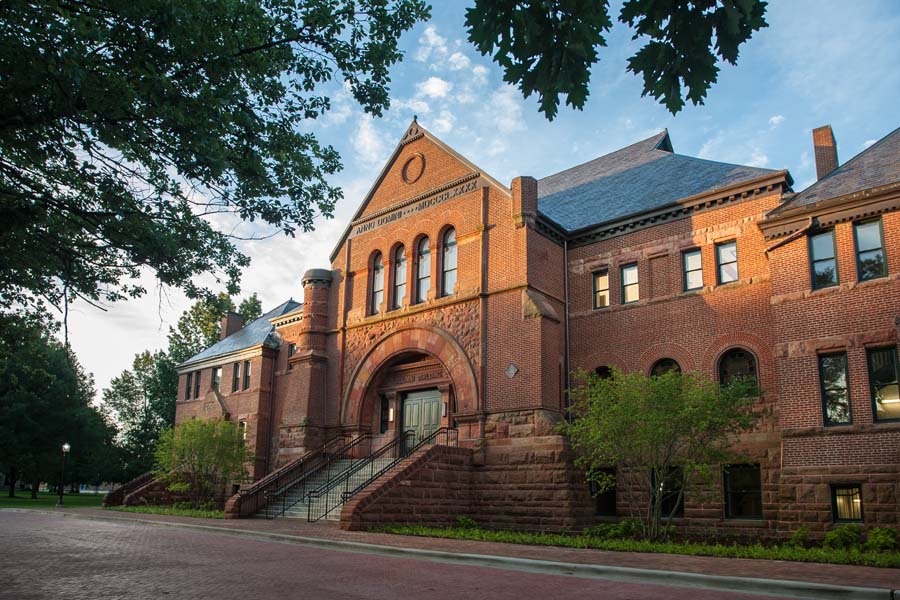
(62, 478)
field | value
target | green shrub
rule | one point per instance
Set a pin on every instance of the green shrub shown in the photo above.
(799, 539)
(883, 539)
(843, 538)
(624, 529)
(465, 523)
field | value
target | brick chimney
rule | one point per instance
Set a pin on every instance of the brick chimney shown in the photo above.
(826, 151)
(231, 323)
(524, 200)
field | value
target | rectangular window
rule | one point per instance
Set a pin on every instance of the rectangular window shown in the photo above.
(601, 289)
(217, 378)
(197, 383)
(235, 377)
(743, 492)
(884, 380)
(630, 290)
(670, 489)
(292, 348)
(604, 502)
(835, 390)
(246, 374)
(846, 503)
(385, 413)
(823, 260)
(726, 262)
(692, 266)
(242, 429)
(187, 387)
(869, 240)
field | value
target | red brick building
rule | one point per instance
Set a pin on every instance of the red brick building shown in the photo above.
(454, 301)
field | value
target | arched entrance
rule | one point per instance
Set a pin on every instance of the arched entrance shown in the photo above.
(417, 378)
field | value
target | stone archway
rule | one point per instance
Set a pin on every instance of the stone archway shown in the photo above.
(418, 339)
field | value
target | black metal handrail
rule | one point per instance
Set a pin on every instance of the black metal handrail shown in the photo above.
(366, 471)
(256, 496)
(286, 496)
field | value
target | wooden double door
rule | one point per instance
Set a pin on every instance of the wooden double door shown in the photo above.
(422, 412)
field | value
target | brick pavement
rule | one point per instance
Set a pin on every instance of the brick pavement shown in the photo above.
(47, 556)
(816, 573)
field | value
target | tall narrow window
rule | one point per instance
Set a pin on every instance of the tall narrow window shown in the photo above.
(292, 348)
(835, 391)
(399, 278)
(377, 285)
(870, 263)
(217, 378)
(692, 266)
(822, 259)
(235, 377)
(601, 289)
(884, 379)
(670, 488)
(246, 374)
(604, 502)
(743, 492)
(448, 263)
(727, 262)
(423, 270)
(385, 414)
(846, 503)
(242, 429)
(197, 383)
(187, 387)
(630, 289)
(736, 363)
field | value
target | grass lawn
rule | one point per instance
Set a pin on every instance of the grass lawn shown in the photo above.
(170, 510)
(815, 555)
(48, 500)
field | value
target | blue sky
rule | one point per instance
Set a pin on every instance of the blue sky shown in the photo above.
(818, 62)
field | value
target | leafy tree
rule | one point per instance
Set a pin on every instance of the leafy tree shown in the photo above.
(200, 326)
(141, 402)
(548, 48)
(660, 433)
(45, 400)
(200, 457)
(126, 125)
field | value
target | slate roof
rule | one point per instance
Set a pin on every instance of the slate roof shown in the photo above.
(260, 331)
(641, 177)
(877, 165)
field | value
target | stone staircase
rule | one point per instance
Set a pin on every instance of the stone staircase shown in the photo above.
(340, 483)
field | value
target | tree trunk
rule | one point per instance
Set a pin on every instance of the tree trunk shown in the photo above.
(12, 482)
(34, 489)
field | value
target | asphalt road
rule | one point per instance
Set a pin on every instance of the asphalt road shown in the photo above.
(51, 557)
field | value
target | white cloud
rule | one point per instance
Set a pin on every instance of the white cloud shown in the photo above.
(776, 120)
(416, 105)
(434, 87)
(458, 61)
(367, 143)
(504, 110)
(432, 46)
(444, 123)
(868, 143)
(480, 72)
(758, 159)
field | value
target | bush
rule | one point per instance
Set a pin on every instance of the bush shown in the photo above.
(883, 539)
(799, 539)
(843, 538)
(627, 528)
(466, 523)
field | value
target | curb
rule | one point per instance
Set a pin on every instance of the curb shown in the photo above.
(722, 583)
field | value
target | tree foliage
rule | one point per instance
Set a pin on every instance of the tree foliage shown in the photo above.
(651, 428)
(126, 127)
(199, 327)
(200, 457)
(548, 47)
(45, 400)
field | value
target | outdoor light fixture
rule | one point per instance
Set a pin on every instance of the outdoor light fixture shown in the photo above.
(62, 476)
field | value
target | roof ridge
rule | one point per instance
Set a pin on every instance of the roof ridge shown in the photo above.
(659, 137)
(855, 157)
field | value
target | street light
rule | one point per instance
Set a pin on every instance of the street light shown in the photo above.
(62, 478)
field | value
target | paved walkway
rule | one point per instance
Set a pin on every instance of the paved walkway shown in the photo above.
(870, 577)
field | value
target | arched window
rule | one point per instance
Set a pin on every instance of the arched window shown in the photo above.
(603, 372)
(399, 278)
(736, 362)
(664, 365)
(423, 270)
(448, 263)
(377, 284)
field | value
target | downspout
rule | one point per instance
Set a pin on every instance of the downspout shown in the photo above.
(271, 414)
(566, 332)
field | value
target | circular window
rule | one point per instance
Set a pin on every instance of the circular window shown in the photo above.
(664, 365)
(414, 167)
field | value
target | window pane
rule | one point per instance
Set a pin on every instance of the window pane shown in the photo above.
(601, 299)
(664, 365)
(424, 272)
(693, 280)
(601, 281)
(822, 246)
(449, 281)
(868, 236)
(601, 289)
(727, 252)
(736, 363)
(871, 265)
(848, 503)
(692, 260)
(743, 491)
(604, 503)
(235, 377)
(728, 273)
(631, 293)
(246, 374)
(824, 273)
(629, 275)
(836, 397)
(669, 489)
(883, 377)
